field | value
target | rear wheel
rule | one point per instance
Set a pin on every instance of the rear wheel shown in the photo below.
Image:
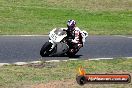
(45, 49)
(71, 53)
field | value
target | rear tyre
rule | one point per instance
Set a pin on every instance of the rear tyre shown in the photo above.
(71, 54)
(45, 49)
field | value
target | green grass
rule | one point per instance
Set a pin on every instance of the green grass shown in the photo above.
(17, 76)
(98, 17)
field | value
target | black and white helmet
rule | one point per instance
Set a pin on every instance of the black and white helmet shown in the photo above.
(71, 24)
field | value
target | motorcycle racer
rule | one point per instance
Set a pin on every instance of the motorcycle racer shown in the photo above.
(64, 41)
(76, 36)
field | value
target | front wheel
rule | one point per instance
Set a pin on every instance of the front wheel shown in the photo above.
(45, 49)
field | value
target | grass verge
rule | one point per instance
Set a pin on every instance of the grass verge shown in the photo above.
(20, 76)
(98, 17)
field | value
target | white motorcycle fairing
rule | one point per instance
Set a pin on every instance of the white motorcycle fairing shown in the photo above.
(56, 36)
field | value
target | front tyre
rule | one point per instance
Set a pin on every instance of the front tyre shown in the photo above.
(45, 49)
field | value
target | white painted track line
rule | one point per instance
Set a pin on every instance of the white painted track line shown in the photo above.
(33, 62)
(123, 36)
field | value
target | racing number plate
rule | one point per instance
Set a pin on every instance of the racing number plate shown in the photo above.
(54, 37)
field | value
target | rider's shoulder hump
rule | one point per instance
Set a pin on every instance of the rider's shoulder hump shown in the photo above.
(77, 28)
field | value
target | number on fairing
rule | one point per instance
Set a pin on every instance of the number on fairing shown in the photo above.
(54, 36)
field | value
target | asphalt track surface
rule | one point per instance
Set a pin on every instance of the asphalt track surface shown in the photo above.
(27, 48)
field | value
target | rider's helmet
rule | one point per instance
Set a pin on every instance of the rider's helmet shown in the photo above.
(71, 25)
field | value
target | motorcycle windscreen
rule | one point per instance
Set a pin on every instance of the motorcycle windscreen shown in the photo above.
(57, 35)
